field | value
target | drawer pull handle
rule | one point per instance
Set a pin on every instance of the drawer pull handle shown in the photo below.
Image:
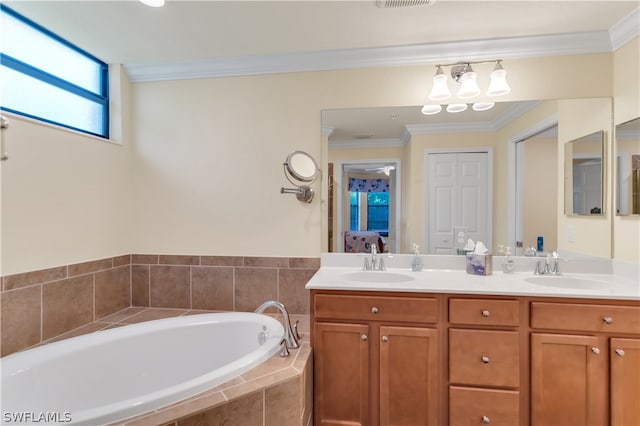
(486, 313)
(607, 320)
(486, 420)
(385, 339)
(374, 310)
(364, 337)
(485, 359)
(619, 352)
(595, 350)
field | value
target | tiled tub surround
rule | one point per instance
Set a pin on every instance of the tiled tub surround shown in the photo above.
(42, 305)
(277, 392)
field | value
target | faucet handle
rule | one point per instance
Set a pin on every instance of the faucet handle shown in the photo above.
(285, 350)
(366, 266)
(295, 331)
(381, 266)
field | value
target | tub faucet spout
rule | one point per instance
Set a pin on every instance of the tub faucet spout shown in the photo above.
(290, 333)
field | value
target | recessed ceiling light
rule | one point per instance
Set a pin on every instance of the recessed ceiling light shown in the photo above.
(456, 107)
(482, 106)
(153, 3)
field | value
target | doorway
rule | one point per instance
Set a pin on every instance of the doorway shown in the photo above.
(459, 199)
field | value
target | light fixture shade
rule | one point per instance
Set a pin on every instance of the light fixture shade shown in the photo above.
(453, 108)
(498, 85)
(440, 90)
(482, 106)
(431, 109)
(469, 87)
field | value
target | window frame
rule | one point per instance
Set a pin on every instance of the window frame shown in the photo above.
(101, 98)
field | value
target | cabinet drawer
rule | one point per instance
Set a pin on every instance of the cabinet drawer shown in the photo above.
(575, 316)
(469, 407)
(371, 308)
(484, 312)
(486, 358)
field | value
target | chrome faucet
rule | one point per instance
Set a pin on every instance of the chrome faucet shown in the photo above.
(376, 263)
(550, 266)
(291, 338)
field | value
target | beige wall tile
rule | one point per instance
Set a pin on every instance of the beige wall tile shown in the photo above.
(35, 277)
(170, 287)
(282, 404)
(212, 288)
(291, 284)
(92, 266)
(20, 318)
(140, 285)
(245, 411)
(112, 291)
(67, 304)
(253, 286)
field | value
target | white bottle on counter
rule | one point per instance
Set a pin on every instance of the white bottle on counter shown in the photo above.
(508, 264)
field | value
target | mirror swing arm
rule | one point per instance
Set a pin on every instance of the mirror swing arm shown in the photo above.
(301, 170)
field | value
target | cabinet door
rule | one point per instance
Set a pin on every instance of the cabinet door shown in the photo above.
(341, 374)
(625, 382)
(568, 380)
(409, 374)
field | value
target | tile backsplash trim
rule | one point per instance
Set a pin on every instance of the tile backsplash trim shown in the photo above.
(40, 305)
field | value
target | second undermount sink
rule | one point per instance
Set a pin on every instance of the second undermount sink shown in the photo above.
(567, 282)
(378, 277)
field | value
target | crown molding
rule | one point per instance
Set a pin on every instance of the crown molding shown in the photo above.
(368, 143)
(625, 30)
(419, 54)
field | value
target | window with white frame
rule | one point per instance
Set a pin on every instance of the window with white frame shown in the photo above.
(49, 79)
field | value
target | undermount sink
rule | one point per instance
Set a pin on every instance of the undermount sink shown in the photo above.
(567, 282)
(378, 277)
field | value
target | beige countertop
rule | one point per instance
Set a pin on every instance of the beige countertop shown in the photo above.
(446, 274)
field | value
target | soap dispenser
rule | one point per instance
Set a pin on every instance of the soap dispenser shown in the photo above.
(508, 264)
(416, 264)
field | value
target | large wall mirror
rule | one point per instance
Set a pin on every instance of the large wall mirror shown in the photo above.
(584, 175)
(627, 167)
(457, 171)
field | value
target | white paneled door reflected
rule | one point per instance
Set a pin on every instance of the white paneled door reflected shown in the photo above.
(457, 199)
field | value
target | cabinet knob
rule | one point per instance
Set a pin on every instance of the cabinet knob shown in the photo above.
(364, 337)
(485, 359)
(485, 313)
(607, 320)
(486, 420)
(619, 352)
(595, 350)
(385, 339)
(374, 310)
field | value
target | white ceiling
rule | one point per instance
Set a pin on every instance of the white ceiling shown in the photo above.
(186, 39)
(127, 32)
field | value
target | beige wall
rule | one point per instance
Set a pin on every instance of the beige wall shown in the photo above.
(66, 196)
(626, 90)
(590, 235)
(540, 189)
(202, 170)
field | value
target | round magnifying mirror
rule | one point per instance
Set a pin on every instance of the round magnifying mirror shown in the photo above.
(301, 166)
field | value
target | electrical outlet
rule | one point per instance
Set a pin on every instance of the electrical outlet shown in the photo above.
(571, 234)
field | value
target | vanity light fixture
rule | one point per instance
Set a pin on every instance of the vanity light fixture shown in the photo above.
(463, 73)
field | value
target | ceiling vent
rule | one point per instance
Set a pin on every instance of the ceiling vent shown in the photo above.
(402, 3)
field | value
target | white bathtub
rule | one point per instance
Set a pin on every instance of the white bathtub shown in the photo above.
(110, 375)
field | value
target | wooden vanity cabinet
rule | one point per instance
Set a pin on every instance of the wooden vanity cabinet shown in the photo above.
(485, 362)
(376, 359)
(585, 364)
